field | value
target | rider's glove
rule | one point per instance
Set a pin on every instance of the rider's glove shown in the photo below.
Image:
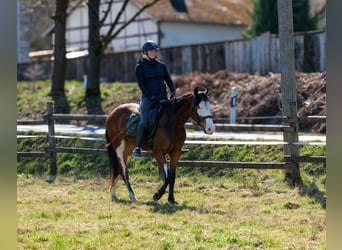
(173, 96)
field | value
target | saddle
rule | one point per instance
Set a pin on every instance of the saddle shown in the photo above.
(153, 117)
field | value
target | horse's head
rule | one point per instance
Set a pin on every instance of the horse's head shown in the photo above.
(200, 111)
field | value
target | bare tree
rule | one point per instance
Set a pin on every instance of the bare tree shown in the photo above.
(97, 43)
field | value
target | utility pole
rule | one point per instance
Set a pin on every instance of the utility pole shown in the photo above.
(19, 59)
(288, 86)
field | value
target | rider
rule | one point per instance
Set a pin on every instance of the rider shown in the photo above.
(151, 75)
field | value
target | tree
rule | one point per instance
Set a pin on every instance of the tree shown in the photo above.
(34, 17)
(265, 18)
(301, 17)
(94, 48)
(59, 64)
(98, 43)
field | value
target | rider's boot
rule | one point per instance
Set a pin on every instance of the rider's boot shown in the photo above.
(139, 141)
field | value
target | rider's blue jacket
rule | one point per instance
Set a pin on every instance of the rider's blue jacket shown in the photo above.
(150, 75)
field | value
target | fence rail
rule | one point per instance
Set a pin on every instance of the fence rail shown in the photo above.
(290, 161)
(229, 164)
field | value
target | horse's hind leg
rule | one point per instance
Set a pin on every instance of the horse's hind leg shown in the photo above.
(113, 190)
(113, 169)
(114, 174)
(122, 157)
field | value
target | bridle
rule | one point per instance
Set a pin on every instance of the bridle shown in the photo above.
(199, 118)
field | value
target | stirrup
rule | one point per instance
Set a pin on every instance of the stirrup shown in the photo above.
(136, 152)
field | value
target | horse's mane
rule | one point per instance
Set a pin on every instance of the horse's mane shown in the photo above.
(180, 100)
(183, 97)
(187, 95)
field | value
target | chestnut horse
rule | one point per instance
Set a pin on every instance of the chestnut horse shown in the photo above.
(168, 139)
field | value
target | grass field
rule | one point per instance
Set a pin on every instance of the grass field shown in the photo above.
(218, 209)
(256, 212)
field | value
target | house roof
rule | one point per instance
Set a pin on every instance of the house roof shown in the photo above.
(228, 12)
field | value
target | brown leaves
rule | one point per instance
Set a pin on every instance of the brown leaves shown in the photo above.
(257, 95)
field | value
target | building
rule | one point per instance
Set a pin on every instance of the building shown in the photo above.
(205, 21)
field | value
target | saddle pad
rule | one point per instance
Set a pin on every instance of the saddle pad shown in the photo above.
(133, 124)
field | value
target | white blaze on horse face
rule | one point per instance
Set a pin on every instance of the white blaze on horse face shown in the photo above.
(204, 111)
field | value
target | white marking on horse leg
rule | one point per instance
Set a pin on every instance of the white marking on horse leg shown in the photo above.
(113, 193)
(165, 170)
(120, 154)
(132, 196)
(112, 189)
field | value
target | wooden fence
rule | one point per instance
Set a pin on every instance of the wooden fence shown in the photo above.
(290, 162)
(260, 54)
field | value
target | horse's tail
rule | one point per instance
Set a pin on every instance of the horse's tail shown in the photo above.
(113, 162)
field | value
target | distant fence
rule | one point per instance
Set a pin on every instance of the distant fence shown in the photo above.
(288, 163)
(260, 54)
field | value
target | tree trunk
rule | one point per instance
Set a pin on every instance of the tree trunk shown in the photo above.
(94, 49)
(59, 65)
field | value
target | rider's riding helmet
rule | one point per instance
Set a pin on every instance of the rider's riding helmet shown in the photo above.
(150, 45)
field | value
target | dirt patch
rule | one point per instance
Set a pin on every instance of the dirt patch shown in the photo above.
(258, 96)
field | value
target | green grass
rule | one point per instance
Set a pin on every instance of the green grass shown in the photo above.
(33, 96)
(218, 208)
(213, 213)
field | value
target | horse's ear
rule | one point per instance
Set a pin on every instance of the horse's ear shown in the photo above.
(196, 91)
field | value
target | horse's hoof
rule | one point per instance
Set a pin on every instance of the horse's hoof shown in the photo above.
(173, 202)
(156, 196)
(51, 179)
(114, 199)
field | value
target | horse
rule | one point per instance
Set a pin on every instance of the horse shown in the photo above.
(168, 139)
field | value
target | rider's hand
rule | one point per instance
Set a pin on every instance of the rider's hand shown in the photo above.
(173, 96)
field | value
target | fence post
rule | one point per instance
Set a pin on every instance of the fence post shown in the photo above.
(233, 102)
(85, 81)
(52, 143)
(292, 176)
(288, 85)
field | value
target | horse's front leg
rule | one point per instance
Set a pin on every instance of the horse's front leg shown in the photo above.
(164, 172)
(172, 175)
(172, 178)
